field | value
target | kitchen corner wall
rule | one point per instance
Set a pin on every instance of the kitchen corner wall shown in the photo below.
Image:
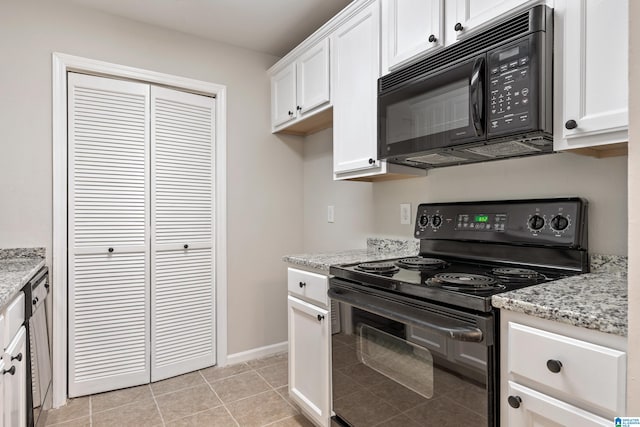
(603, 182)
(264, 172)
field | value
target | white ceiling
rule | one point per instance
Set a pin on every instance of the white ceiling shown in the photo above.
(270, 26)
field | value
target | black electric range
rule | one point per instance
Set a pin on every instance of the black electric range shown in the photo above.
(472, 250)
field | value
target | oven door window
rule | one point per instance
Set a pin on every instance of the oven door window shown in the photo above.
(408, 364)
(439, 111)
(386, 373)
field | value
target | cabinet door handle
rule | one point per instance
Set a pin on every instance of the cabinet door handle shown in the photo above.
(514, 401)
(571, 124)
(302, 284)
(35, 301)
(371, 161)
(432, 38)
(299, 108)
(290, 113)
(554, 366)
(320, 317)
(186, 246)
(458, 27)
(18, 357)
(11, 371)
(110, 250)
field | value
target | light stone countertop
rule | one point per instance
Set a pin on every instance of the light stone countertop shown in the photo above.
(597, 300)
(377, 249)
(17, 266)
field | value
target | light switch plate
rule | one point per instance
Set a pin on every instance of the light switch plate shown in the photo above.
(405, 213)
(331, 214)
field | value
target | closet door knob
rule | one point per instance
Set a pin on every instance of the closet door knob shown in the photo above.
(571, 124)
(186, 246)
(458, 27)
(432, 38)
(110, 250)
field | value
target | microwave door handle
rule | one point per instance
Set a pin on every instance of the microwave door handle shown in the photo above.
(476, 91)
(407, 315)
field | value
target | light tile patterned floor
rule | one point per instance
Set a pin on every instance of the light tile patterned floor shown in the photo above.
(248, 394)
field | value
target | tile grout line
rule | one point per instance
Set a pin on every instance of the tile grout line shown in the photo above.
(91, 411)
(153, 395)
(218, 396)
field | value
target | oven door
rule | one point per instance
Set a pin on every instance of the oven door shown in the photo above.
(396, 361)
(442, 110)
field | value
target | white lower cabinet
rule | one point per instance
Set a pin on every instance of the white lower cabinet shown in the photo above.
(309, 345)
(13, 364)
(553, 374)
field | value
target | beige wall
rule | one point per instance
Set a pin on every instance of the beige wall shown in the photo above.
(352, 201)
(603, 182)
(264, 172)
(633, 363)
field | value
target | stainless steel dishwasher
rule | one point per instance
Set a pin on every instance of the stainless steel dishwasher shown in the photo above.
(39, 360)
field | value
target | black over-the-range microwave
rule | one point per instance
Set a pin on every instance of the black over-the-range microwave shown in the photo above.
(487, 97)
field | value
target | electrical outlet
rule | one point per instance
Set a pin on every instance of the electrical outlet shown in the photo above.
(405, 213)
(330, 214)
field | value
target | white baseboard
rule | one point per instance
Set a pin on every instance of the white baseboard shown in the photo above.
(257, 353)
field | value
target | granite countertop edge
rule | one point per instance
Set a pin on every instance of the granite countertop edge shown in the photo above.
(17, 267)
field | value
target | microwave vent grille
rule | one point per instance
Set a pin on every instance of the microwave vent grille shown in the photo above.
(516, 26)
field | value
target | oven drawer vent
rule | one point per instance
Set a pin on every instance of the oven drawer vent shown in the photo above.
(530, 21)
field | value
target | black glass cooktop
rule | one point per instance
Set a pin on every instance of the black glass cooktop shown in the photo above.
(455, 282)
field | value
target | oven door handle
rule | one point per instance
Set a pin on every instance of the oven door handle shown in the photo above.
(409, 315)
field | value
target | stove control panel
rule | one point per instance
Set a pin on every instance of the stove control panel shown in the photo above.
(556, 222)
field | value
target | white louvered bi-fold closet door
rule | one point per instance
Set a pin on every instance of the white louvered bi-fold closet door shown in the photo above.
(108, 228)
(182, 206)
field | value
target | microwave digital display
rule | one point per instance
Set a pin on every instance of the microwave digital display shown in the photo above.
(509, 53)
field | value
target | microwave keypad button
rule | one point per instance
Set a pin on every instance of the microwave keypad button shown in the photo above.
(523, 60)
(525, 91)
(504, 67)
(513, 64)
(494, 71)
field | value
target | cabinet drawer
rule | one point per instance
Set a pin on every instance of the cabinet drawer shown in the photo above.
(588, 374)
(311, 286)
(14, 317)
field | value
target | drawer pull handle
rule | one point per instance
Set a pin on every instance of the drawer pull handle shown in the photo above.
(302, 284)
(320, 317)
(11, 371)
(554, 366)
(514, 401)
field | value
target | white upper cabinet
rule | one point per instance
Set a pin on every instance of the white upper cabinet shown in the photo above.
(283, 96)
(356, 67)
(591, 73)
(410, 28)
(301, 88)
(465, 17)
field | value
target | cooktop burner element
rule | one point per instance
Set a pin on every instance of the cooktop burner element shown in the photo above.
(422, 263)
(514, 273)
(465, 281)
(378, 267)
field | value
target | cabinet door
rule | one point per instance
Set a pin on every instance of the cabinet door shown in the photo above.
(409, 29)
(283, 96)
(473, 15)
(108, 234)
(312, 74)
(182, 203)
(539, 410)
(309, 359)
(355, 69)
(15, 384)
(595, 59)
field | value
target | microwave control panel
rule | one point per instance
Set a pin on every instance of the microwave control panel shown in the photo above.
(511, 92)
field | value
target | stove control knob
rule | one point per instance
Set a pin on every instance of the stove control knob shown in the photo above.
(424, 220)
(436, 221)
(536, 222)
(559, 223)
